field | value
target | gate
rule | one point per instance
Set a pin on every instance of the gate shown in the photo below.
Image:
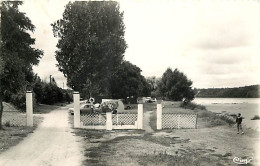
(175, 120)
(106, 120)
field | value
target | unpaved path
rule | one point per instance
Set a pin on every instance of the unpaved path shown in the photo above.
(52, 144)
(146, 122)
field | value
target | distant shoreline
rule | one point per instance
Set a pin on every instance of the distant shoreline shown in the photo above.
(251, 91)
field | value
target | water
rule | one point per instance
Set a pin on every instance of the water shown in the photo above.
(248, 107)
(207, 101)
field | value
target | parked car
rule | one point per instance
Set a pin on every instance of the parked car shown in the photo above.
(150, 100)
(87, 108)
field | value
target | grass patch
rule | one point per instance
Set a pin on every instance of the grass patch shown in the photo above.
(89, 134)
(132, 150)
(153, 121)
(11, 136)
(256, 117)
(166, 159)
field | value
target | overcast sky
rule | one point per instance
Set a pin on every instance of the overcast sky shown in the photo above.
(215, 43)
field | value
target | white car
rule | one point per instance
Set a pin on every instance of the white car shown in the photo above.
(87, 108)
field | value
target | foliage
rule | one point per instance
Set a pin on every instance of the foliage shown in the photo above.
(91, 45)
(240, 92)
(174, 85)
(153, 83)
(256, 117)
(1, 66)
(213, 119)
(47, 93)
(192, 106)
(128, 81)
(109, 106)
(16, 51)
(19, 100)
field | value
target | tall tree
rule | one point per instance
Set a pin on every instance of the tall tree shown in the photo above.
(128, 81)
(16, 50)
(91, 44)
(175, 86)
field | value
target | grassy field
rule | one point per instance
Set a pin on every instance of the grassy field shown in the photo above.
(215, 142)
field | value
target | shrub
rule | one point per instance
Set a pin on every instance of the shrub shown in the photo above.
(216, 122)
(256, 117)
(7, 124)
(203, 114)
(192, 106)
(19, 100)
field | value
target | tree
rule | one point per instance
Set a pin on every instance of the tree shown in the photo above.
(128, 81)
(153, 82)
(16, 51)
(91, 44)
(175, 85)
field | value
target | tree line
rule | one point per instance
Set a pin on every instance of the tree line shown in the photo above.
(90, 54)
(238, 92)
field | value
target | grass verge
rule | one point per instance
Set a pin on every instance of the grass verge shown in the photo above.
(11, 136)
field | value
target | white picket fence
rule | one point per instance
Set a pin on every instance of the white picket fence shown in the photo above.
(175, 120)
(107, 121)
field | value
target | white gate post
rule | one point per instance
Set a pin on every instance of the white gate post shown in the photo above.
(29, 109)
(159, 116)
(140, 117)
(109, 121)
(76, 110)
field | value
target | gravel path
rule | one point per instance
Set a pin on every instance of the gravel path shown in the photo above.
(51, 144)
(146, 121)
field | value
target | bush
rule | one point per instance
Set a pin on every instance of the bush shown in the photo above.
(19, 100)
(216, 122)
(7, 124)
(256, 117)
(208, 114)
(192, 106)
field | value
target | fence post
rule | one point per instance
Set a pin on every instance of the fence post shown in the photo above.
(159, 116)
(140, 117)
(76, 110)
(29, 109)
(109, 121)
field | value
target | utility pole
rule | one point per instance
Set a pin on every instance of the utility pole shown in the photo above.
(63, 85)
(50, 79)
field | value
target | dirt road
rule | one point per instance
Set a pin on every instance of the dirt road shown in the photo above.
(52, 144)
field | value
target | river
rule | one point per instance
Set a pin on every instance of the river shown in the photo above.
(248, 107)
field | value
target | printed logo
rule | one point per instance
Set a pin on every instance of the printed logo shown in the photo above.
(239, 160)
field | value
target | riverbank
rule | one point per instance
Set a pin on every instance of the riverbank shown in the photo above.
(247, 107)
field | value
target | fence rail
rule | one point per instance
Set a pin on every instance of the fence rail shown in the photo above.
(124, 119)
(93, 119)
(173, 120)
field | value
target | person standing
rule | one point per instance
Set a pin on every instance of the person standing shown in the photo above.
(239, 123)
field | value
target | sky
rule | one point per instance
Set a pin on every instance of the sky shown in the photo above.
(215, 43)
